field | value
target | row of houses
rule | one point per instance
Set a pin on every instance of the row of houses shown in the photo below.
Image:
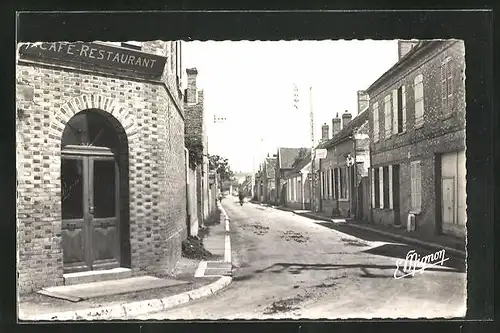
(104, 183)
(402, 158)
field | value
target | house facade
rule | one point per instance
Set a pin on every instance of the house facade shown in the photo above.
(285, 158)
(343, 181)
(298, 182)
(417, 139)
(269, 181)
(101, 181)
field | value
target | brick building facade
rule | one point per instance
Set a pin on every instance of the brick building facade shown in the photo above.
(285, 157)
(269, 180)
(100, 161)
(342, 192)
(195, 128)
(417, 132)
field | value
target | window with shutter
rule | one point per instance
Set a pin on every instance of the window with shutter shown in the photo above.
(332, 184)
(328, 183)
(337, 183)
(419, 100)
(377, 187)
(321, 184)
(376, 126)
(381, 186)
(391, 199)
(373, 187)
(447, 87)
(325, 188)
(395, 110)
(416, 196)
(403, 108)
(387, 116)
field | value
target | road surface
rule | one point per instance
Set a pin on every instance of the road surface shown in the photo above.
(289, 266)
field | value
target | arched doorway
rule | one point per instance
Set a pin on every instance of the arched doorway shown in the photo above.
(94, 196)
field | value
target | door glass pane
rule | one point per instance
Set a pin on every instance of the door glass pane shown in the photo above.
(72, 188)
(104, 188)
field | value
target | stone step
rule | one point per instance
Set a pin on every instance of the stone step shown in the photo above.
(97, 276)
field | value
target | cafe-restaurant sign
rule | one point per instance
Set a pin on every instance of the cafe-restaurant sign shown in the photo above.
(93, 55)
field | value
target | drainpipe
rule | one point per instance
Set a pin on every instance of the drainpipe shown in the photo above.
(320, 185)
(188, 208)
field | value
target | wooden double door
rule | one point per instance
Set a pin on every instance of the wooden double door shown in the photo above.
(90, 209)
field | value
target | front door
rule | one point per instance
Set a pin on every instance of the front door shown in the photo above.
(395, 195)
(448, 200)
(90, 209)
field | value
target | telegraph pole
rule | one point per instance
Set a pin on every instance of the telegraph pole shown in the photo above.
(313, 154)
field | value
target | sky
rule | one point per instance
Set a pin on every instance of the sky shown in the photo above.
(251, 84)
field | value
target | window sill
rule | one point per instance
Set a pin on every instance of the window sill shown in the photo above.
(419, 126)
(402, 133)
(415, 212)
(343, 199)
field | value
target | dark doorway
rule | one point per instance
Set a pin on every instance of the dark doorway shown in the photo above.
(94, 196)
(395, 194)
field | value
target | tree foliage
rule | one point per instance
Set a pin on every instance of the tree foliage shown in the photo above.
(303, 152)
(221, 166)
(195, 147)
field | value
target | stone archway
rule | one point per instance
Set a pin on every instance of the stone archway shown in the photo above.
(99, 238)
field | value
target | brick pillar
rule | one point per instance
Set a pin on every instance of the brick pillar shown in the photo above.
(346, 118)
(325, 130)
(336, 125)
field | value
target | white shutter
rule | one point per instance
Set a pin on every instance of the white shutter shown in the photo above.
(395, 111)
(338, 183)
(391, 201)
(376, 126)
(387, 116)
(419, 185)
(403, 106)
(330, 179)
(373, 187)
(381, 186)
(449, 85)
(322, 176)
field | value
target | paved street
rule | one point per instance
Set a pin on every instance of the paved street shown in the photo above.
(288, 266)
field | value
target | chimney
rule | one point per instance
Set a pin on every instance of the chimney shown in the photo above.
(346, 118)
(191, 91)
(336, 127)
(325, 130)
(363, 100)
(404, 46)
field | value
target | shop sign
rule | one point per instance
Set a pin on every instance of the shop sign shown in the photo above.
(94, 54)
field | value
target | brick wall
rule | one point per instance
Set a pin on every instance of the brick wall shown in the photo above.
(439, 134)
(155, 131)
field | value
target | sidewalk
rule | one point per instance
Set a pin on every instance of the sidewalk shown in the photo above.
(36, 307)
(451, 244)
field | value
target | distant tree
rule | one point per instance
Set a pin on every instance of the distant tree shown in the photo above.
(302, 154)
(221, 166)
(195, 147)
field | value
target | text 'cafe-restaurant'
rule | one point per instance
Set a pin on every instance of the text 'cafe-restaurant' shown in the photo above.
(100, 139)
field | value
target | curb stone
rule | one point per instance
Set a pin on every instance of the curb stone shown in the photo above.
(123, 311)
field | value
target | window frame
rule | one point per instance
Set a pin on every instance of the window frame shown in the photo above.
(376, 122)
(388, 116)
(447, 87)
(418, 91)
(416, 186)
